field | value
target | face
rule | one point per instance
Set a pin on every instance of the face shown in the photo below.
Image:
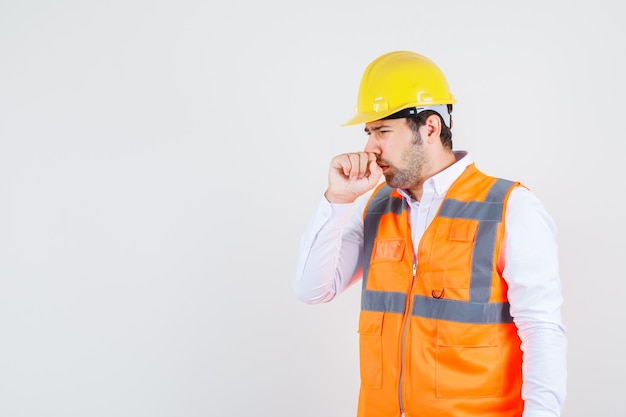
(399, 151)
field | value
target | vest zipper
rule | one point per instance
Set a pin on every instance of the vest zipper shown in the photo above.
(408, 304)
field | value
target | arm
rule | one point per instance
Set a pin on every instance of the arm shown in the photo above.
(331, 248)
(532, 272)
(331, 251)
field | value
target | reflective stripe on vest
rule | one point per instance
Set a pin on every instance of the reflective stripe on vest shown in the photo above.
(489, 214)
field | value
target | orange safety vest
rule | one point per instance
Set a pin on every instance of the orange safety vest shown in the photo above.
(436, 336)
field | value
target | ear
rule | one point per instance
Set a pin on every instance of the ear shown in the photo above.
(433, 128)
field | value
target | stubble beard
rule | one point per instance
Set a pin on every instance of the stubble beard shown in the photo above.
(408, 177)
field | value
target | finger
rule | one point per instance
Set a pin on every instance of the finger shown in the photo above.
(360, 164)
(354, 165)
(354, 162)
(375, 171)
(363, 164)
(342, 164)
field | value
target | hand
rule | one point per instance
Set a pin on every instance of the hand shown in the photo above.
(351, 175)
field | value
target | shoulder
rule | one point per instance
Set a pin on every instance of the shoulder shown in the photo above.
(524, 209)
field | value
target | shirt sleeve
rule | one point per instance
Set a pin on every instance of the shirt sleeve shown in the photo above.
(530, 267)
(331, 250)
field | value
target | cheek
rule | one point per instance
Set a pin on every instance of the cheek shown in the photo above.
(398, 152)
(412, 156)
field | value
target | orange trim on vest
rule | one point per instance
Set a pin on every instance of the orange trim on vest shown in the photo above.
(438, 340)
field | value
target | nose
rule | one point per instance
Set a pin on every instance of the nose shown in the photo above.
(372, 145)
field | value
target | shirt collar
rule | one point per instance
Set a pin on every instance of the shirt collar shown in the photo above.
(441, 181)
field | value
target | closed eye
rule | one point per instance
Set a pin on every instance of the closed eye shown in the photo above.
(380, 130)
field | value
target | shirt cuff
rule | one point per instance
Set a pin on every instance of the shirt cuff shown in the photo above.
(333, 215)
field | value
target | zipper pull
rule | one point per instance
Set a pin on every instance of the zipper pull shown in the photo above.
(414, 270)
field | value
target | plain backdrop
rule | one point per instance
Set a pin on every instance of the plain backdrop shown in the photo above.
(159, 161)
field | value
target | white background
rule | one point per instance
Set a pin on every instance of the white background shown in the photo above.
(159, 161)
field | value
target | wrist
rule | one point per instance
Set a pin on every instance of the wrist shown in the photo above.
(337, 199)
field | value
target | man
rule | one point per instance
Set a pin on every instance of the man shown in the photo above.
(460, 309)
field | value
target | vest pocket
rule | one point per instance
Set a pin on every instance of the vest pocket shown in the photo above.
(468, 362)
(388, 250)
(370, 347)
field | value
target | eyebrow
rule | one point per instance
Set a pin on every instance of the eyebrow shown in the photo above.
(373, 129)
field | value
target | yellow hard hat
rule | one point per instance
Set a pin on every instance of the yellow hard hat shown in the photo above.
(401, 80)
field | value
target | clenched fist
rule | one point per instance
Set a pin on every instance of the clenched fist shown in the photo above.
(351, 175)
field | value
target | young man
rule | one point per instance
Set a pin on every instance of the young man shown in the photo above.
(460, 310)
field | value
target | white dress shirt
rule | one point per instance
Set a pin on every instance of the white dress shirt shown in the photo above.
(331, 254)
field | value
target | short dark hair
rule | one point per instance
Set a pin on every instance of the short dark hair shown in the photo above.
(420, 119)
